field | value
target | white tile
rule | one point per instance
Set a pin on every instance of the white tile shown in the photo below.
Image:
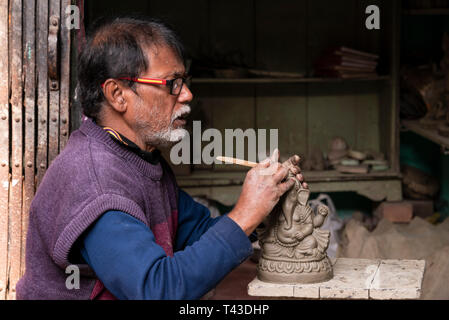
(398, 279)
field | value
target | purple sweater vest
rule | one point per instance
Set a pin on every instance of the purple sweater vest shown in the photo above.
(92, 175)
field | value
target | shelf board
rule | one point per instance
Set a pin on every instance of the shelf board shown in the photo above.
(206, 178)
(284, 80)
(431, 11)
(430, 134)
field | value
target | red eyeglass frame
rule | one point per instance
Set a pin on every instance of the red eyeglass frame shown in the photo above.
(162, 82)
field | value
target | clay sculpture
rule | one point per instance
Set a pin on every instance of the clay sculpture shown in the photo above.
(293, 248)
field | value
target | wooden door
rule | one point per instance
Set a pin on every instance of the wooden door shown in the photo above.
(34, 116)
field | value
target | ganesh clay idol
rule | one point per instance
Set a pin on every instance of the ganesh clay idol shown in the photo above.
(293, 248)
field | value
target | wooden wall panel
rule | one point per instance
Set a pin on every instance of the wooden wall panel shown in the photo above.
(281, 31)
(54, 93)
(4, 145)
(339, 29)
(367, 127)
(64, 99)
(233, 37)
(283, 107)
(234, 104)
(29, 76)
(189, 18)
(24, 126)
(233, 107)
(15, 200)
(42, 89)
(331, 112)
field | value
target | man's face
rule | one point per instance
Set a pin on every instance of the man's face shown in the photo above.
(158, 118)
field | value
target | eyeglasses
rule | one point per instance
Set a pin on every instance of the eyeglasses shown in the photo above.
(175, 85)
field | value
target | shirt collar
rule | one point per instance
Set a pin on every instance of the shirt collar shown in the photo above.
(152, 157)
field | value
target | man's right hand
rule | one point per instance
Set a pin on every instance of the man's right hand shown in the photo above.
(263, 187)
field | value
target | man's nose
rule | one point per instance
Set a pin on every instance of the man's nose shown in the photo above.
(186, 95)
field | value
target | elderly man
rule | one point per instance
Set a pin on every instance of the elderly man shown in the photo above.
(109, 203)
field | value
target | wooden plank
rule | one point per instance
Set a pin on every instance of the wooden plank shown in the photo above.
(367, 109)
(64, 99)
(15, 201)
(283, 80)
(389, 113)
(376, 186)
(394, 45)
(284, 108)
(114, 8)
(4, 145)
(29, 70)
(190, 20)
(235, 46)
(227, 114)
(375, 190)
(331, 112)
(277, 21)
(436, 11)
(339, 28)
(42, 85)
(208, 178)
(53, 130)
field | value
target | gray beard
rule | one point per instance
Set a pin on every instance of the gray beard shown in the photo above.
(166, 137)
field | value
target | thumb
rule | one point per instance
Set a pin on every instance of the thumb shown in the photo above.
(275, 156)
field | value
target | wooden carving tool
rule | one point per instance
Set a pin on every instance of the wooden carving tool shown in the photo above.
(237, 161)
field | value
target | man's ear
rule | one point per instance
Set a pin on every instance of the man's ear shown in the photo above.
(114, 92)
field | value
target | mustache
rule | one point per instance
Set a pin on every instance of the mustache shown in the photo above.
(184, 111)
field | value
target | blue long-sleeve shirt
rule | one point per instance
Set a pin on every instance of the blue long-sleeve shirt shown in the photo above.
(126, 258)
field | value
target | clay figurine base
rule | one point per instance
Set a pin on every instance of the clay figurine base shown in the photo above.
(300, 272)
(353, 279)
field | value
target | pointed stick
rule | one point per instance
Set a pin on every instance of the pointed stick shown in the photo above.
(237, 161)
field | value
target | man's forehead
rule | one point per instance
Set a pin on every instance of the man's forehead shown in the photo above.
(164, 61)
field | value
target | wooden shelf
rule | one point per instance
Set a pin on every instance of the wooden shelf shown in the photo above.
(226, 186)
(285, 80)
(430, 134)
(420, 12)
(224, 178)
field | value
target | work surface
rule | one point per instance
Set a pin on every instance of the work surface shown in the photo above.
(354, 279)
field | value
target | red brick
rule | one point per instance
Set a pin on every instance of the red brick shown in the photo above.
(401, 212)
(422, 208)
